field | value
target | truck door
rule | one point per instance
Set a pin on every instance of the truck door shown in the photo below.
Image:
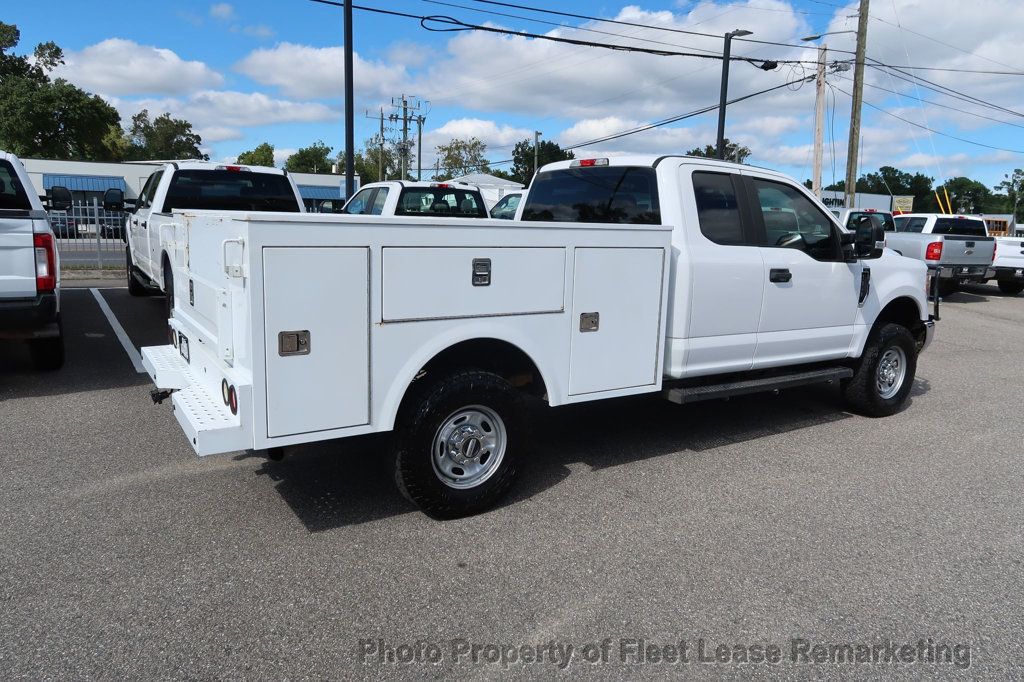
(720, 264)
(139, 227)
(17, 253)
(811, 295)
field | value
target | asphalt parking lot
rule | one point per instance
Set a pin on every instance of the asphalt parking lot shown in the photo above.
(767, 520)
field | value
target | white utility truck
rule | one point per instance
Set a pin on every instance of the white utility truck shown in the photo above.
(1008, 265)
(193, 185)
(692, 277)
(405, 198)
(29, 267)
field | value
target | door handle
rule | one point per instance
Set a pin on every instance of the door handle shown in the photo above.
(779, 275)
(142, 224)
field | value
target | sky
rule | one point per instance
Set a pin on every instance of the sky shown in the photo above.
(253, 71)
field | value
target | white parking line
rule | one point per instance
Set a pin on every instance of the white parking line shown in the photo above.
(119, 332)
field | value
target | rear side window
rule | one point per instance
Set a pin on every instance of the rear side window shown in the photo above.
(596, 194)
(225, 190)
(877, 217)
(718, 211)
(441, 201)
(905, 224)
(959, 226)
(12, 194)
(360, 203)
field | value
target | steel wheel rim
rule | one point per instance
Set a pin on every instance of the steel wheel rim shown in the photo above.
(468, 447)
(892, 370)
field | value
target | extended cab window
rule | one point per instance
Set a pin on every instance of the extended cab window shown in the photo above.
(441, 201)
(360, 203)
(226, 190)
(791, 220)
(905, 224)
(12, 194)
(718, 212)
(959, 226)
(595, 194)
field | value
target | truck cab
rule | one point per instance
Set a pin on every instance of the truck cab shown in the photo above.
(418, 199)
(29, 269)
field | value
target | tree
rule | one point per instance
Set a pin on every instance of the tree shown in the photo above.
(52, 119)
(1013, 185)
(522, 158)
(968, 196)
(460, 157)
(262, 155)
(892, 181)
(368, 161)
(163, 138)
(733, 151)
(312, 159)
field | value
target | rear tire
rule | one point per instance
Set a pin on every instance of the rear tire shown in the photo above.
(884, 377)
(169, 298)
(459, 440)
(48, 354)
(1011, 288)
(135, 287)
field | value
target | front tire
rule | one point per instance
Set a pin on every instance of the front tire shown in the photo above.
(885, 374)
(1011, 288)
(459, 440)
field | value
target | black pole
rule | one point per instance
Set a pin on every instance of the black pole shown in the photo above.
(723, 96)
(350, 136)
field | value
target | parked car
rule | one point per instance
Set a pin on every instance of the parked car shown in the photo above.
(63, 225)
(150, 259)
(506, 207)
(1008, 265)
(956, 247)
(639, 274)
(29, 268)
(420, 199)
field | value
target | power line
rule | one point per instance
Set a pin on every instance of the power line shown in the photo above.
(943, 89)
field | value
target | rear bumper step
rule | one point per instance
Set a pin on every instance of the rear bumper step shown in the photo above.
(693, 394)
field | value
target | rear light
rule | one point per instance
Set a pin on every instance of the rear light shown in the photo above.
(587, 163)
(934, 251)
(441, 185)
(46, 271)
(233, 169)
(232, 400)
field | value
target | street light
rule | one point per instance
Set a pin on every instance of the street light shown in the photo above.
(725, 88)
(822, 35)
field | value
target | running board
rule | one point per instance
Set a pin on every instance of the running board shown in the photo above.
(693, 394)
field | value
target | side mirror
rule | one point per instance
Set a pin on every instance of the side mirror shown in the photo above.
(60, 198)
(869, 238)
(113, 200)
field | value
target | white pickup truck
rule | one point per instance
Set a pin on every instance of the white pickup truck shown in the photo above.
(957, 248)
(190, 185)
(1008, 265)
(29, 268)
(696, 278)
(405, 198)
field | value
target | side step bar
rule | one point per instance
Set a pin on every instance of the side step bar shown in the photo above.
(693, 394)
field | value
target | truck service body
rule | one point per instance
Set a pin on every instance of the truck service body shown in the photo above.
(630, 275)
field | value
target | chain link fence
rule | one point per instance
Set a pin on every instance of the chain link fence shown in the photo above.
(88, 236)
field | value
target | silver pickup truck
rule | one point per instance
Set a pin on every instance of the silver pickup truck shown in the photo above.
(956, 248)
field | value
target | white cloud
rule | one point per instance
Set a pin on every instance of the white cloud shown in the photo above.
(258, 31)
(309, 72)
(281, 155)
(223, 11)
(117, 66)
(211, 134)
(491, 133)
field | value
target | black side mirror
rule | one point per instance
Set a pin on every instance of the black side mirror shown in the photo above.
(113, 200)
(869, 238)
(60, 198)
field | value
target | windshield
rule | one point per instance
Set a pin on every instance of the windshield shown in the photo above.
(877, 217)
(225, 190)
(959, 226)
(12, 194)
(441, 201)
(595, 194)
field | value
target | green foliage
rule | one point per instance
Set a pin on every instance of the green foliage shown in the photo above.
(1013, 186)
(733, 152)
(262, 155)
(522, 158)
(368, 162)
(969, 196)
(162, 138)
(460, 157)
(312, 159)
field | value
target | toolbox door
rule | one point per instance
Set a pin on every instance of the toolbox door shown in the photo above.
(317, 338)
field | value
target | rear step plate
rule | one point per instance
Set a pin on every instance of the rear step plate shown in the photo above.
(693, 394)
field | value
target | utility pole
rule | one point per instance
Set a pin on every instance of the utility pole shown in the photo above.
(350, 135)
(858, 98)
(536, 150)
(819, 121)
(380, 142)
(724, 92)
(420, 120)
(405, 118)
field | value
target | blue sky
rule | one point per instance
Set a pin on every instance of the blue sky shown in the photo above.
(245, 72)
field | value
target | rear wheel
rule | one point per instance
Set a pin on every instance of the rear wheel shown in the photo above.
(1012, 288)
(459, 440)
(884, 377)
(135, 287)
(169, 298)
(48, 354)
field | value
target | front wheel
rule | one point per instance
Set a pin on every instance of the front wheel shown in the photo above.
(1012, 288)
(459, 441)
(884, 377)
